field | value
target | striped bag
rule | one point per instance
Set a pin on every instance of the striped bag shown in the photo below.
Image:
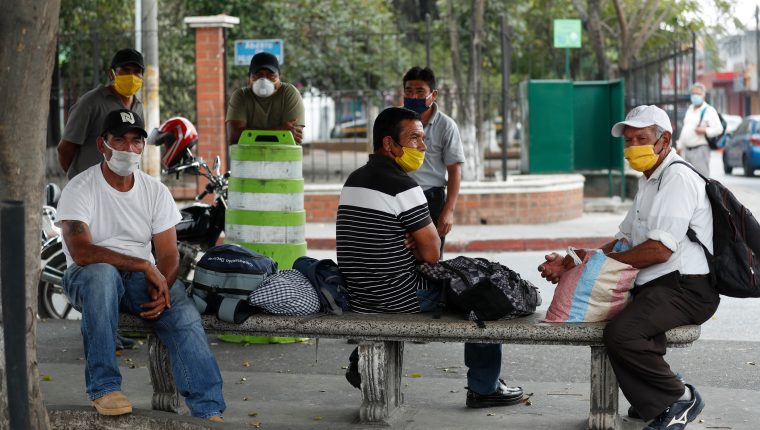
(596, 289)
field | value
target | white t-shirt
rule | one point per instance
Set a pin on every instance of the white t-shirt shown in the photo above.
(666, 214)
(123, 222)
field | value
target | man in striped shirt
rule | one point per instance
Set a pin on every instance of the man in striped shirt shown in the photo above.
(384, 230)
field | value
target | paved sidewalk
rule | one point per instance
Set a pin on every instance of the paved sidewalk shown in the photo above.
(589, 231)
(285, 387)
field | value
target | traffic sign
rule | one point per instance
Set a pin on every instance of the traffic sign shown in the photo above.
(567, 33)
(246, 49)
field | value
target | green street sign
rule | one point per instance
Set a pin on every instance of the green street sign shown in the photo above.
(567, 33)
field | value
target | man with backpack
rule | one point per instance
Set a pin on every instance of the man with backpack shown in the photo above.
(673, 287)
(700, 123)
(384, 230)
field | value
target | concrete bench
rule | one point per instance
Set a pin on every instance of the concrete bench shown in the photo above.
(381, 351)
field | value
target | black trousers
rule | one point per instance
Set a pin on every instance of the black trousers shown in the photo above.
(635, 338)
(436, 198)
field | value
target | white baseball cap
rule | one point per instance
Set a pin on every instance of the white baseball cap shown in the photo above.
(643, 116)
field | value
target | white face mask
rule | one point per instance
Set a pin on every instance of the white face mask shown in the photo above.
(263, 87)
(123, 163)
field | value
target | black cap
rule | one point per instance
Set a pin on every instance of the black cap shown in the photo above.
(264, 60)
(119, 122)
(127, 56)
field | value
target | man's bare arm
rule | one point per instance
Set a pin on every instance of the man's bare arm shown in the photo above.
(84, 252)
(167, 256)
(427, 244)
(646, 254)
(234, 130)
(66, 152)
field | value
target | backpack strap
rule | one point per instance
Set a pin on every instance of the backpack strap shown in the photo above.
(690, 233)
(702, 114)
(442, 299)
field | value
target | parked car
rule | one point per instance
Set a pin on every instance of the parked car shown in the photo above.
(350, 129)
(743, 148)
(732, 122)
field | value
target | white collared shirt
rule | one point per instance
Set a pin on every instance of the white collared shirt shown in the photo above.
(666, 214)
(693, 119)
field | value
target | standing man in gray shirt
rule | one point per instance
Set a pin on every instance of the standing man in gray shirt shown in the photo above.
(441, 173)
(77, 150)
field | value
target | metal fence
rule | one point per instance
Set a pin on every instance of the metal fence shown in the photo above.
(664, 80)
(336, 132)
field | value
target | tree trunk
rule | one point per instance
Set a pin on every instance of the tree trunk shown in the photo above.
(592, 20)
(28, 31)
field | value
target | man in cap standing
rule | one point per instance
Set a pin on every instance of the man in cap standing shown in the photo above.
(266, 103)
(77, 149)
(111, 215)
(673, 286)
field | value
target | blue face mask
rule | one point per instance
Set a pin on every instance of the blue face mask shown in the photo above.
(417, 105)
(696, 99)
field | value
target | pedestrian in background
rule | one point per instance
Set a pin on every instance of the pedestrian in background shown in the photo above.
(700, 121)
(441, 172)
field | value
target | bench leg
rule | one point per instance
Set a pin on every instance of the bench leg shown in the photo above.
(604, 392)
(380, 364)
(165, 396)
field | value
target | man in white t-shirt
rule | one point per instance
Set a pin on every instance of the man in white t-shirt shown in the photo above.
(673, 286)
(110, 214)
(700, 122)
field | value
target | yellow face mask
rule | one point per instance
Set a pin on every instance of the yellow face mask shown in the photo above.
(411, 160)
(641, 158)
(127, 85)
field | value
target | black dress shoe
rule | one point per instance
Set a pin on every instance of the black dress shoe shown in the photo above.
(503, 396)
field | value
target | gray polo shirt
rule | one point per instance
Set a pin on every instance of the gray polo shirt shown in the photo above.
(444, 148)
(85, 124)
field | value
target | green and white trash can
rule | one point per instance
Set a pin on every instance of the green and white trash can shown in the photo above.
(265, 196)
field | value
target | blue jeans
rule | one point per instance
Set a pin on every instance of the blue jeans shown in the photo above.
(483, 360)
(99, 291)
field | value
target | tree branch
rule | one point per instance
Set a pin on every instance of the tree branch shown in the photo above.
(648, 29)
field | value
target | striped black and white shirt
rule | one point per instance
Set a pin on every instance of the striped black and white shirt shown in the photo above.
(379, 204)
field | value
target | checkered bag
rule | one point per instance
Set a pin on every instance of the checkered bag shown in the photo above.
(288, 292)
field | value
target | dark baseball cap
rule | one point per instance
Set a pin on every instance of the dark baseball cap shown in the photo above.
(264, 60)
(119, 122)
(127, 56)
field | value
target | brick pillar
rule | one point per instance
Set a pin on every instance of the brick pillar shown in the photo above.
(209, 84)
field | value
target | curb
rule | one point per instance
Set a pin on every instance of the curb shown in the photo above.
(493, 245)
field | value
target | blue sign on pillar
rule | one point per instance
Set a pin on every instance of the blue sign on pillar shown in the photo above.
(246, 49)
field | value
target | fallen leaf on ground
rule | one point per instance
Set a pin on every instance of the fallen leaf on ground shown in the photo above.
(47, 378)
(246, 364)
(253, 414)
(415, 375)
(751, 363)
(256, 425)
(490, 414)
(317, 418)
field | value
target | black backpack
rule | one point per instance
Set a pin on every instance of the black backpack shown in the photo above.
(713, 141)
(484, 290)
(326, 278)
(224, 278)
(734, 264)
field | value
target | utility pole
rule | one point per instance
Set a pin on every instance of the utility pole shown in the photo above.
(506, 65)
(151, 154)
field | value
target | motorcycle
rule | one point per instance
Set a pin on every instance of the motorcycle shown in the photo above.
(200, 227)
(51, 301)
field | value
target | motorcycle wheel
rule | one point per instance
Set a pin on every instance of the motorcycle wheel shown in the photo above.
(51, 301)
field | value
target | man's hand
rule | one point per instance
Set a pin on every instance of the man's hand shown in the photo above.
(159, 293)
(445, 221)
(555, 266)
(294, 128)
(700, 130)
